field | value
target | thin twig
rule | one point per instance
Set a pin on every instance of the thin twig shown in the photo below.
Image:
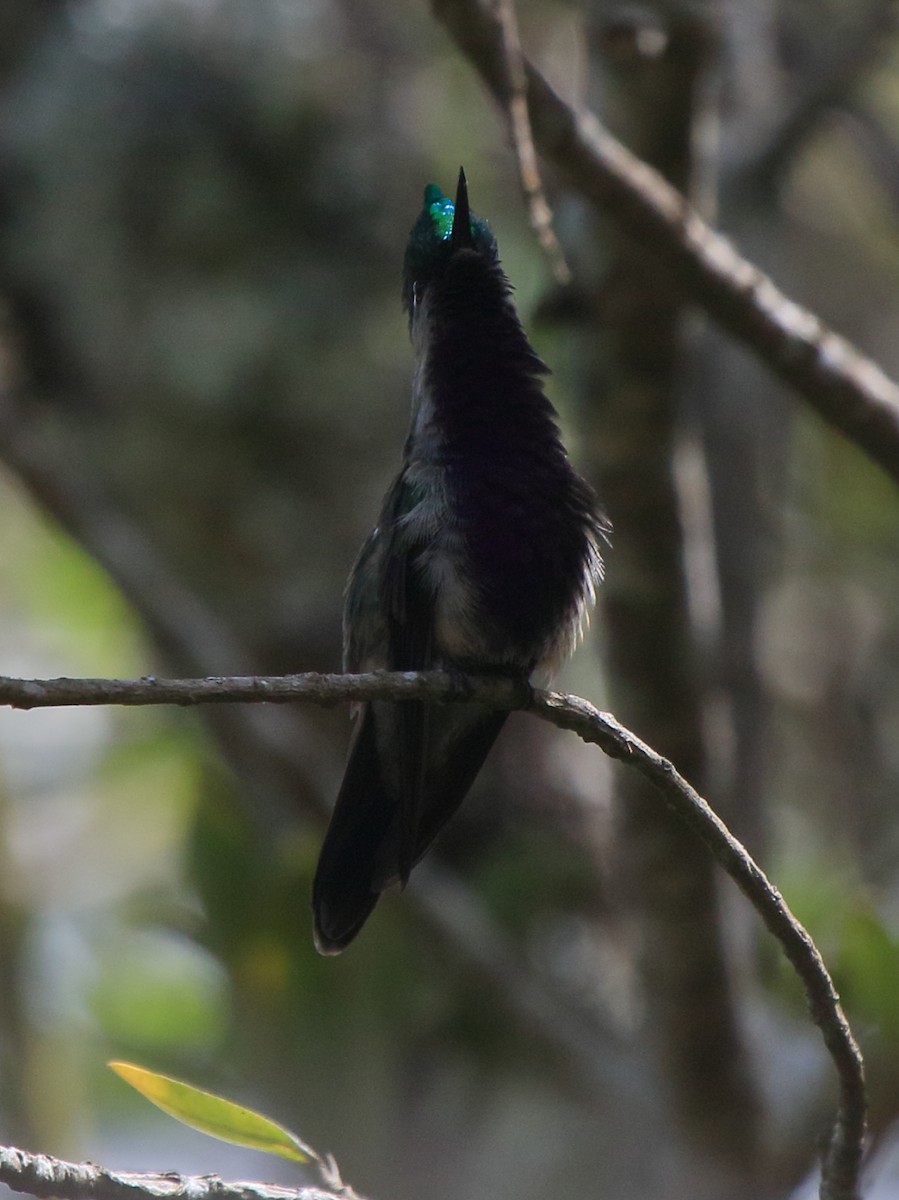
(523, 143)
(846, 388)
(842, 1162)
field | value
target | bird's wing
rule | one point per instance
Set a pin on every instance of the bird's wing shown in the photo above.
(371, 835)
(407, 603)
(387, 616)
(364, 630)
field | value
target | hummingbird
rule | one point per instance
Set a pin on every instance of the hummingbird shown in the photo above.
(484, 561)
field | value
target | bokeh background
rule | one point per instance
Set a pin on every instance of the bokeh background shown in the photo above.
(204, 388)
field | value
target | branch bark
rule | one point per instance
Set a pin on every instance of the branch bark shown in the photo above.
(846, 388)
(843, 1157)
(43, 1176)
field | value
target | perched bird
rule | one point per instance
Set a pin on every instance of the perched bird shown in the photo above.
(484, 561)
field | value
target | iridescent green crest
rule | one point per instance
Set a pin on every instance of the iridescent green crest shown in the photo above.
(440, 209)
(432, 242)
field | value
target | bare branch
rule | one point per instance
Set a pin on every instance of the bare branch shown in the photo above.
(846, 388)
(523, 143)
(274, 689)
(844, 1154)
(40, 1175)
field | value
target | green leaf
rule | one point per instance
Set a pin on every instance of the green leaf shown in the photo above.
(214, 1115)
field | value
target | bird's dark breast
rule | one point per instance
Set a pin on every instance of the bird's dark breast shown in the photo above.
(527, 548)
(524, 513)
(527, 518)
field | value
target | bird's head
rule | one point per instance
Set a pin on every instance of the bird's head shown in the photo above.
(445, 232)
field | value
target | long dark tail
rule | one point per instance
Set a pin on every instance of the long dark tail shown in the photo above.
(365, 849)
(343, 893)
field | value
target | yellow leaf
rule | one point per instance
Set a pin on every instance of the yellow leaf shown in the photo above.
(214, 1115)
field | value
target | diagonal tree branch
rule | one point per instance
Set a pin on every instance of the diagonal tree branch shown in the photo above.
(846, 388)
(842, 1162)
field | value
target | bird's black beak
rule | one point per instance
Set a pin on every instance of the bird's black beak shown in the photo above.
(460, 238)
